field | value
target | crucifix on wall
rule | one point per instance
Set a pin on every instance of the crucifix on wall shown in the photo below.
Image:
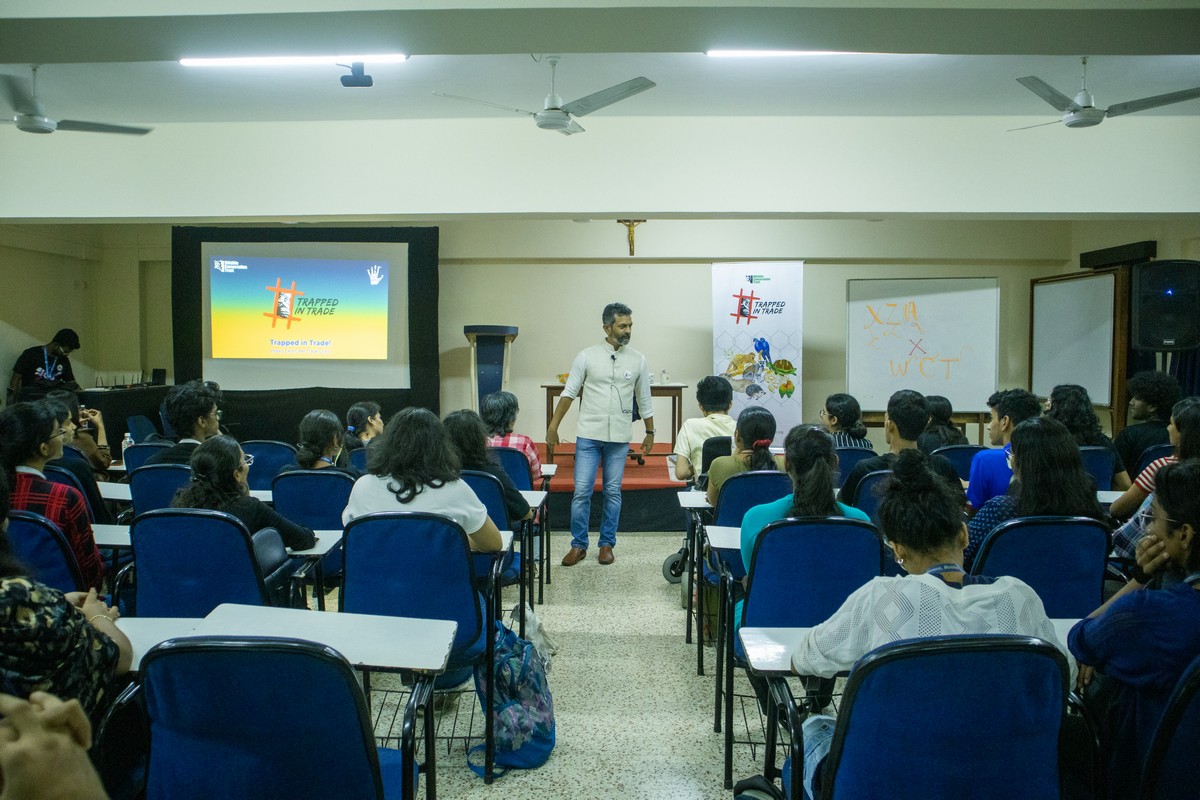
(630, 224)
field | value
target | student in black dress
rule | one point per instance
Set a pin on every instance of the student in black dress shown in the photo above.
(842, 417)
(939, 431)
(468, 435)
(364, 421)
(219, 471)
(320, 445)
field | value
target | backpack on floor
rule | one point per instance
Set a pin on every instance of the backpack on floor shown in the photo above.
(524, 716)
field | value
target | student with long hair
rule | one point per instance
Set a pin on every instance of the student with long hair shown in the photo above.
(29, 437)
(939, 431)
(1183, 432)
(363, 423)
(67, 644)
(418, 470)
(219, 471)
(842, 416)
(921, 520)
(499, 411)
(1048, 479)
(1142, 641)
(1071, 405)
(320, 445)
(468, 434)
(751, 450)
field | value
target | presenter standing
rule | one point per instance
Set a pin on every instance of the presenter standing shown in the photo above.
(609, 376)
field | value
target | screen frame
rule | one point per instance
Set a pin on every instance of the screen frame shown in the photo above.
(186, 288)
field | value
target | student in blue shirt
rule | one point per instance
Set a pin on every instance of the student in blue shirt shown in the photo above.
(990, 473)
(1142, 641)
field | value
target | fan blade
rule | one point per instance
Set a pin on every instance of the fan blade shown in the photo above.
(575, 128)
(100, 127)
(19, 93)
(485, 103)
(1039, 125)
(1048, 93)
(606, 97)
(1153, 102)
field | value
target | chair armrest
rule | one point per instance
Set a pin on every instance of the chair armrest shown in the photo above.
(127, 574)
(793, 716)
(296, 582)
(1100, 748)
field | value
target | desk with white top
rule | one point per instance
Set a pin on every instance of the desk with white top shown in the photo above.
(693, 503)
(549, 470)
(537, 500)
(121, 492)
(116, 537)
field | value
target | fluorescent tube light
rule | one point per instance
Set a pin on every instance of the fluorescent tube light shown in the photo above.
(291, 61)
(778, 53)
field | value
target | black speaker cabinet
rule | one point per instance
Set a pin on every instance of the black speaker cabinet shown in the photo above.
(1166, 306)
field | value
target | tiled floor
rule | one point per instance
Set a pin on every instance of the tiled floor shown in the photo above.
(633, 718)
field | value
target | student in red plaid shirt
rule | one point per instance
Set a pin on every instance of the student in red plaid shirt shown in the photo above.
(29, 437)
(499, 411)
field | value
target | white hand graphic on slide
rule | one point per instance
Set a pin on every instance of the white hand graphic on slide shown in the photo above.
(375, 273)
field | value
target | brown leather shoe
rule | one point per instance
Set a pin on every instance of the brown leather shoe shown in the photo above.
(574, 556)
(606, 555)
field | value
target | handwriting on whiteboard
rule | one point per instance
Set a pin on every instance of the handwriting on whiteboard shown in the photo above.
(895, 330)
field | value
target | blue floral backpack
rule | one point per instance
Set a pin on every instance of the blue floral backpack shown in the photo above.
(524, 717)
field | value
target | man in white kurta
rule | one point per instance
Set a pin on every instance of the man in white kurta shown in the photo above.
(606, 377)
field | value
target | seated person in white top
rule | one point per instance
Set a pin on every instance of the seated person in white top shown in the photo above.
(192, 411)
(418, 471)
(714, 395)
(921, 518)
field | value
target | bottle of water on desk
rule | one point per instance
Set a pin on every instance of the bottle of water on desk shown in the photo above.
(125, 443)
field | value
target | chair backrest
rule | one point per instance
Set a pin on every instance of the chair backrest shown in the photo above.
(489, 491)
(140, 427)
(153, 487)
(870, 493)
(1172, 771)
(848, 457)
(191, 560)
(136, 454)
(358, 458)
(791, 584)
(66, 477)
(961, 456)
(314, 498)
(1061, 558)
(411, 564)
(515, 465)
(739, 493)
(41, 546)
(1152, 453)
(223, 713)
(714, 447)
(269, 457)
(1099, 463)
(911, 703)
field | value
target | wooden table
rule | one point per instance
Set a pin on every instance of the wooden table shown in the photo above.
(674, 391)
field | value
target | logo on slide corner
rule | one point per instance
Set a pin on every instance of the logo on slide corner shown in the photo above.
(227, 265)
(375, 274)
(281, 306)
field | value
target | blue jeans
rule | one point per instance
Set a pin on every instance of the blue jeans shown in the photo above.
(590, 456)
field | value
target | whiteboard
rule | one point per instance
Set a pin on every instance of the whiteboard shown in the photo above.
(934, 335)
(1073, 335)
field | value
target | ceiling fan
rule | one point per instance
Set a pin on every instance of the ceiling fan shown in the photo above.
(1082, 112)
(31, 118)
(557, 116)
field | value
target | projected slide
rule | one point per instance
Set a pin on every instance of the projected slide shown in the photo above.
(298, 308)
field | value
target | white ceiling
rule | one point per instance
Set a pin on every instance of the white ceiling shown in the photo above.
(119, 69)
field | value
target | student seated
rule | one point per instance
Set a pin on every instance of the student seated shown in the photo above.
(751, 450)
(219, 472)
(1071, 405)
(714, 395)
(939, 431)
(1183, 432)
(842, 417)
(363, 423)
(903, 422)
(91, 439)
(990, 473)
(29, 437)
(81, 471)
(320, 445)
(1048, 479)
(67, 644)
(193, 413)
(499, 412)
(1141, 641)
(418, 470)
(468, 435)
(1152, 395)
(921, 520)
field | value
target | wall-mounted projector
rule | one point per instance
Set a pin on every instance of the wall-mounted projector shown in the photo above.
(357, 79)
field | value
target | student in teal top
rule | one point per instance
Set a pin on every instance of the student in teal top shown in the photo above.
(812, 463)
